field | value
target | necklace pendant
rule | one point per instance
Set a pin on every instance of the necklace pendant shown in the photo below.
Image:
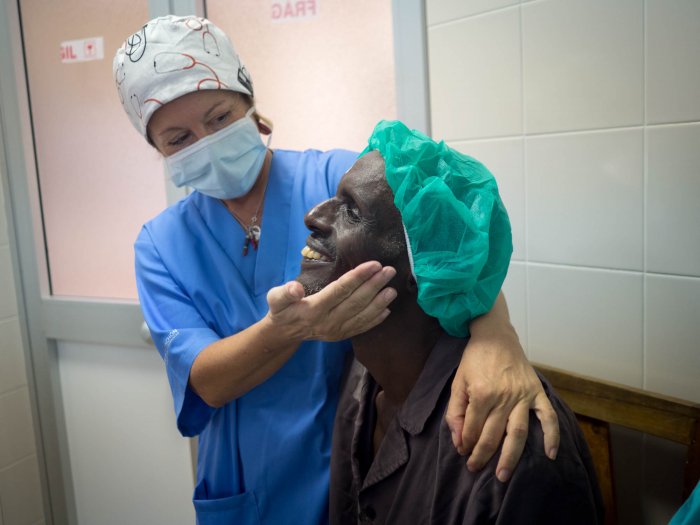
(252, 236)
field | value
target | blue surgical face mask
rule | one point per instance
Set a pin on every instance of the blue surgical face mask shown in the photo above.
(223, 165)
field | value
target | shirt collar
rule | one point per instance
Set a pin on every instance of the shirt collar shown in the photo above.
(438, 369)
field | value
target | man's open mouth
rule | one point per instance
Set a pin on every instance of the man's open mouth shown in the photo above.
(313, 255)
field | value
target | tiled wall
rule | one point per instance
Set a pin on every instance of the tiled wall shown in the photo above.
(20, 489)
(588, 113)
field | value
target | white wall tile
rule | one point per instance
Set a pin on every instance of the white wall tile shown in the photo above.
(21, 493)
(12, 367)
(16, 430)
(672, 335)
(582, 64)
(504, 158)
(673, 60)
(475, 80)
(8, 300)
(586, 321)
(585, 198)
(673, 199)
(438, 11)
(515, 291)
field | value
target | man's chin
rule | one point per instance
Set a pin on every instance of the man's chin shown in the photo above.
(311, 286)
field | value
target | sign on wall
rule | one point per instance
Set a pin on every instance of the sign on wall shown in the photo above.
(82, 50)
(293, 10)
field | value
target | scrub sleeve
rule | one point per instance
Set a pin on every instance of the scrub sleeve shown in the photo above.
(264, 457)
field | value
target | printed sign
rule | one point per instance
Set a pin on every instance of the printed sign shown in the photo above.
(292, 10)
(82, 50)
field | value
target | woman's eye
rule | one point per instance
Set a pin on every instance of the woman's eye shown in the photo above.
(179, 140)
(222, 118)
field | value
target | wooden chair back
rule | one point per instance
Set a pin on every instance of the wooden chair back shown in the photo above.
(598, 404)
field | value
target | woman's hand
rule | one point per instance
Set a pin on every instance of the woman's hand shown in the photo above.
(230, 367)
(493, 391)
(354, 303)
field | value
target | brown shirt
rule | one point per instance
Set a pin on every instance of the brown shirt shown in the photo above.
(417, 477)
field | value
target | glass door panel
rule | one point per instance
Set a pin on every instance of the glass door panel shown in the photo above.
(323, 70)
(99, 180)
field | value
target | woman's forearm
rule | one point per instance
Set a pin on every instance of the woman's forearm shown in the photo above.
(356, 302)
(495, 322)
(232, 366)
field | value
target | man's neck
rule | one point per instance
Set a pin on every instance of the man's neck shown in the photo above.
(395, 352)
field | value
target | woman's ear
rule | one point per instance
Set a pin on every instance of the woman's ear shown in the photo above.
(264, 124)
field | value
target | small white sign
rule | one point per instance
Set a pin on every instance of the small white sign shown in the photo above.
(292, 10)
(82, 50)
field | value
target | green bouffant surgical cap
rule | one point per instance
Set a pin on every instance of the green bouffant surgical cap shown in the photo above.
(456, 225)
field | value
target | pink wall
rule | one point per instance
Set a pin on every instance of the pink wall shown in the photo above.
(326, 80)
(99, 179)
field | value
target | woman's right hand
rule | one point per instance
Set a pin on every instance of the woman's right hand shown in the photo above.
(353, 304)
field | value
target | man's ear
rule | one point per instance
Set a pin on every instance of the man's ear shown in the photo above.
(411, 284)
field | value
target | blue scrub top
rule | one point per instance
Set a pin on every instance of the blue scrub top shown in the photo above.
(263, 458)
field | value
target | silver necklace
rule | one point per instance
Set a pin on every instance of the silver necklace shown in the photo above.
(252, 229)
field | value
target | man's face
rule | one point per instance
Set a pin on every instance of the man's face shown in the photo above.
(359, 224)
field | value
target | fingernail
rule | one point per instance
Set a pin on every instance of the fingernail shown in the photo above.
(389, 294)
(552, 454)
(503, 475)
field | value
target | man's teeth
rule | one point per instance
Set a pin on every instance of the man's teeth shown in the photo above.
(313, 254)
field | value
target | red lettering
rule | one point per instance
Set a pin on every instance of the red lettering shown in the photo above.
(294, 9)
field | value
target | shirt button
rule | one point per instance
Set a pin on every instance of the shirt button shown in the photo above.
(367, 514)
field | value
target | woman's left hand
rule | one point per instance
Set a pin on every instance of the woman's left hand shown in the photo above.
(493, 391)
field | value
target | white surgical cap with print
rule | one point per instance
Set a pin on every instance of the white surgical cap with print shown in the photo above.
(170, 57)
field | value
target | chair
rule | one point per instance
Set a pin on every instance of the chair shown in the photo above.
(598, 404)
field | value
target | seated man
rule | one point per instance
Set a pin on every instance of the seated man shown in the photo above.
(435, 216)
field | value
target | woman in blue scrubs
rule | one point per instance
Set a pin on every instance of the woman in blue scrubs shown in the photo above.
(254, 366)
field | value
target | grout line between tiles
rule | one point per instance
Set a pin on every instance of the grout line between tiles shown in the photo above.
(523, 159)
(17, 462)
(683, 124)
(645, 193)
(471, 16)
(525, 135)
(544, 264)
(9, 319)
(12, 391)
